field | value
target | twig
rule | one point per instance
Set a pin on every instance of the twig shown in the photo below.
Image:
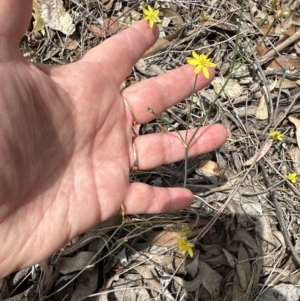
(269, 55)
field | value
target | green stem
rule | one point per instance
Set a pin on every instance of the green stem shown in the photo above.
(186, 150)
(186, 147)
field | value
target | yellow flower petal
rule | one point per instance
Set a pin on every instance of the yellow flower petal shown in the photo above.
(184, 246)
(198, 69)
(276, 135)
(151, 15)
(210, 64)
(145, 11)
(205, 72)
(195, 55)
(150, 10)
(190, 252)
(192, 61)
(202, 62)
(155, 13)
(292, 177)
(151, 23)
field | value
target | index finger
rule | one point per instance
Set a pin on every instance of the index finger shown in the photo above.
(120, 53)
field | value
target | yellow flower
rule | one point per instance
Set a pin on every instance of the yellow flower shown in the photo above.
(151, 15)
(276, 135)
(292, 177)
(201, 62)
(184, 246)
(203, 16)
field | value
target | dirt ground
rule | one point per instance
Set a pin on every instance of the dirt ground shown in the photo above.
(244, 222)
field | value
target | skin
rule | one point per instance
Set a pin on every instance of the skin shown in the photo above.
(66, 145)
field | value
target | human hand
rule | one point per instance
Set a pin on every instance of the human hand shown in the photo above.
(66, 144)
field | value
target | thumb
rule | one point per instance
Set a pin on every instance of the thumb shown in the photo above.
(14, 19)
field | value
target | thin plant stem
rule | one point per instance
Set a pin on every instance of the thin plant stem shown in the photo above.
(186, 151)
(187, 142)
(186, 147)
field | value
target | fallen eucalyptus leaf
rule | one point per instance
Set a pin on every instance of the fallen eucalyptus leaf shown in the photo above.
(296, 122)
(55, 16)
(233, 89)
(69, 265)
(262, 112)
(265, 148)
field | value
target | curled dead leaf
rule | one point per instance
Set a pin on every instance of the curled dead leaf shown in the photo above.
(211, 171)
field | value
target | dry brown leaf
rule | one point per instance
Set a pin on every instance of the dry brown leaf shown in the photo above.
(192, 267)
(294, 152)
(264, 230)
(232, 90)
(212, 171)
(72, 42)
(212, 249)
(230, 258)
(96, 29)
(160, 45)
(217, 260)
(266, 28)
(189, 286)
(108, 4)
(262, 112)
(243, 267)
(211, 279)
(169, 262)
(279, 239)
(265, 148)
(147, 273)
(262, 49)
(167, 239)
(86, 285)
(147, 70)
(110, 27)
(296, 122)
(176, 20)
(251, 209)
(55, 16)
(237, 292)
(241, 235)
(285, 83)
(69, 265)
(284, 62)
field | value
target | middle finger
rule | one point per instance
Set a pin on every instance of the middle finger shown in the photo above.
(162, 92)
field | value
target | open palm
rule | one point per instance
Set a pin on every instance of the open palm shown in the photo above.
(66, 144)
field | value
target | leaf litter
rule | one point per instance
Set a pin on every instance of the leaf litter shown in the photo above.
(244, 254)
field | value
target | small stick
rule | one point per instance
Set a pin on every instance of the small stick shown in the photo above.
(270, 54)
